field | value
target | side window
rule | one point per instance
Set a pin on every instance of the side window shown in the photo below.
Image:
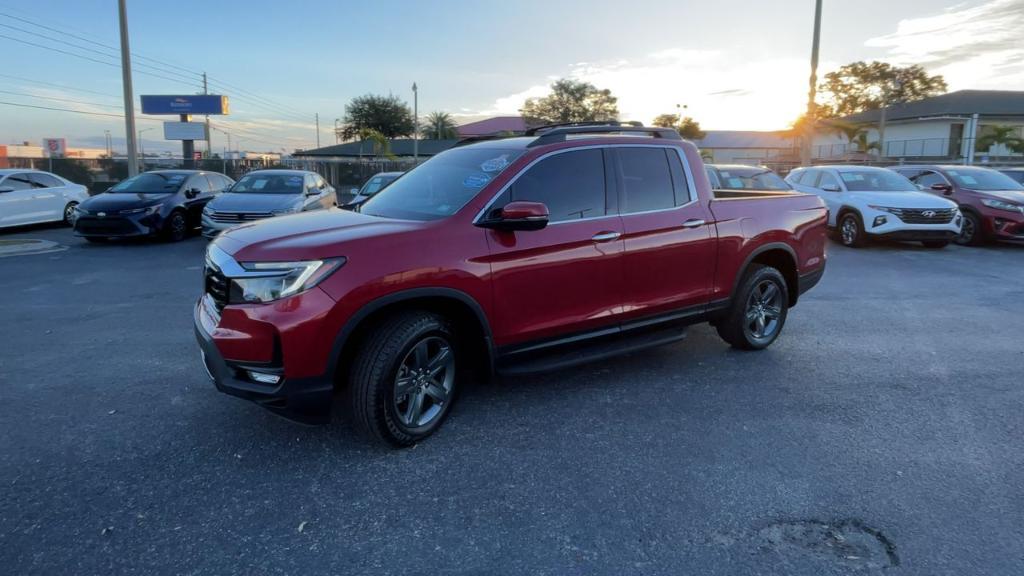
(809, 178)
(310, 182)
(679, 183)
(41, 180)
(320, 183)
(218, 182)
(199, 182)
(571, 184)
(646, 181)
(827, 179)
(712, 177)
(926, 179)
(18, 182)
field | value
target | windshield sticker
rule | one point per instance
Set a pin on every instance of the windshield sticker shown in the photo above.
(495, 164)
(969, 180)
(476, 180)
(259, 184)
(851, 177)
(175, 179)
(294, 180)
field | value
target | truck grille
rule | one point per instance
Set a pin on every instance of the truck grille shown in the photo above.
(924, 216)
(216, 285)
(238, 217)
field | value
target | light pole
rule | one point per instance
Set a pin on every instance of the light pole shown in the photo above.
(886, 95)
(809, 116)
(415, 125)
(317, 129)
(337, 131)
(108, 143)
(126, 81)
(142, 148)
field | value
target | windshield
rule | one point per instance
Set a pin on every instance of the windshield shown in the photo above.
(876, 181)
(983, 179)
(265, 183)
(751, 179)
(151, 182)
(440, 186)
(375, 184)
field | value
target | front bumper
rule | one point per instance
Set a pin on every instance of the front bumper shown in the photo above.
(1004, 225)
(918, 235)
(305, 400)
(116, 226)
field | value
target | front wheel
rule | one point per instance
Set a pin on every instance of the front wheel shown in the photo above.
(403, 379)
(175, 228)
(758, 310)
(69, 213)
(970, 231)
(851, 231)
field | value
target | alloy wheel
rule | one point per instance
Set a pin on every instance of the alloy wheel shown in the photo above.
(69, 213)
(764, 309)
(177, 227)
(849, 230)
(967, 231)
(423, 385)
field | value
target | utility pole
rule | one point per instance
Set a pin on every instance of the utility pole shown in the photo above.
(317, 129)
(337, 131)
(126, 81)
(209, 151)
(811, 114)
(415, 125)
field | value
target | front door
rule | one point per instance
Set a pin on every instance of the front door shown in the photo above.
(17, 201)
(565, 278)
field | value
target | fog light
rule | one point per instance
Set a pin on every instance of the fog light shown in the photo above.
(999, 222)
(879, 221)
(959, 220)
(262, 377)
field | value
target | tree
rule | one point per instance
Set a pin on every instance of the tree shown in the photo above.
(864, 86)
(571, 101)
(687, 127)
(439, 126)
(861, 141)
(388, 115)
(71, 169)
(380, 144)
(1000, 135)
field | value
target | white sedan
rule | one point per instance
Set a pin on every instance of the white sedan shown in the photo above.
(34, 196)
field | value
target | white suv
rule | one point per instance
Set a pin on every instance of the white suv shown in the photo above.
(867, 202)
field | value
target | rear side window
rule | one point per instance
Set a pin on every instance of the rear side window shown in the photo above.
(926, 179)
(809, 178)
(40, 180)
(827, 179)
(571, 184)
(17, 182)
(646, 180)
(200, 182)
(679, 183)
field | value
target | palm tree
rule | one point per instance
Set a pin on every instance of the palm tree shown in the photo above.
(439, 126)
(381, 146)
(861, 140)
(1001, 135)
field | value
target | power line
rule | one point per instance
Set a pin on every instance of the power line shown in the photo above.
(76, 111)
(116, 106)
(61, 86)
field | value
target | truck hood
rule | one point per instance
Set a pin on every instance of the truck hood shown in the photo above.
(242, 202)
(112, 202)
(307, 236)
(1016, 196)
(903, 199)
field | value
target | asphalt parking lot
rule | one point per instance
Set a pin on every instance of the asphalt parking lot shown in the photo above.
(881, 433)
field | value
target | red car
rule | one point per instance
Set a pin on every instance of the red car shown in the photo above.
(507, 256)
(992, 202)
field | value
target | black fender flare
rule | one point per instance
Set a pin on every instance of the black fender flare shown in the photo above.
(757, 252)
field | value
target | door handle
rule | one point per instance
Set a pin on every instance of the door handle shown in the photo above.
(605, 236)
(693, 223)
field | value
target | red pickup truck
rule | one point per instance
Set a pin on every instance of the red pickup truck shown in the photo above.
(508, 256)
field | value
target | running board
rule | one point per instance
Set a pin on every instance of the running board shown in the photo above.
(584, 352)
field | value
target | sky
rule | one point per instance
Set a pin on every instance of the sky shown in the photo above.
(730, 65)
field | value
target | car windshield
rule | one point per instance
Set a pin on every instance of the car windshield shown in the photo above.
(440, 186)
(751, 179)
(876, 181)
(375, 184)
(983, 179)
(151, 182)
(1017, 175)
(269, 183)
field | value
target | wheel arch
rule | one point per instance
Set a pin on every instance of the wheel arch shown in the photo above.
(467, 314)
(778, 255)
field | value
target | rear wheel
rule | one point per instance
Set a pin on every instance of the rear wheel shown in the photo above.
(935, 243)
(851, 231)
(758, 310)
(175, 229)
(403, 379)
(970, 231)
(69, 213)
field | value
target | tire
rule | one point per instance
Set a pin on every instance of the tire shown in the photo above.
(176, 227)
(96, 239)
(851, 230)
(935, 243)
(753, 302)
(400, 353)
(69, 214)
(971, 233)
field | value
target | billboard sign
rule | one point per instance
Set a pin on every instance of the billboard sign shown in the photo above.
(184, 131)
(186, 104)
(55, 147)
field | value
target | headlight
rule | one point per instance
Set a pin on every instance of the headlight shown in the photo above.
(893, 211)
(282, 211)
(1000, 205)
(274, 280)
(147, 210)
(207, 210)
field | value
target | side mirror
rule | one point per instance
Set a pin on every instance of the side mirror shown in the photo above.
(191, 193)
(944, 188)
(353, 191)
(830, 188)
(518, 216)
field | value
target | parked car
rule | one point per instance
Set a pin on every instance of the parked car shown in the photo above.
(744, 177)
(516, 255)
(34, 197)
(867, 203)
(992, 203)
(165, 203)
(1015, 173)
(375, 184)
(264, 194)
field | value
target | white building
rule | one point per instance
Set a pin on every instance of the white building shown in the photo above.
(944, 128)
(747, 147)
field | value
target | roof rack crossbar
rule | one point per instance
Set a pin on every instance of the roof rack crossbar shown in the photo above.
(538, 129)
(474, 139)
(559, 134)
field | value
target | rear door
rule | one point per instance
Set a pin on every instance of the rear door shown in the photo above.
(17, 204)
(669, 242)
(49, 195)
(566, 277)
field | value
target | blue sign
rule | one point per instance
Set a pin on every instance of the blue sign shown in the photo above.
(190, 104)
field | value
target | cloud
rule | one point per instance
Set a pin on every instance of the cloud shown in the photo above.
(971, 46)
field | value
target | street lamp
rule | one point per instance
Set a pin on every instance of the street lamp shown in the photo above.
(337, 131)
(415, 125)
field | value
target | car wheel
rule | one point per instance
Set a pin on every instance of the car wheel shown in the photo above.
(935, 243)
(96, 239)
(851, 231)
(970, 231)
(176, 227)
(403, 379)
(758, 310)
(69, 213)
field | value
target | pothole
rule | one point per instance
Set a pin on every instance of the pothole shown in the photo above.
(849, 542)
